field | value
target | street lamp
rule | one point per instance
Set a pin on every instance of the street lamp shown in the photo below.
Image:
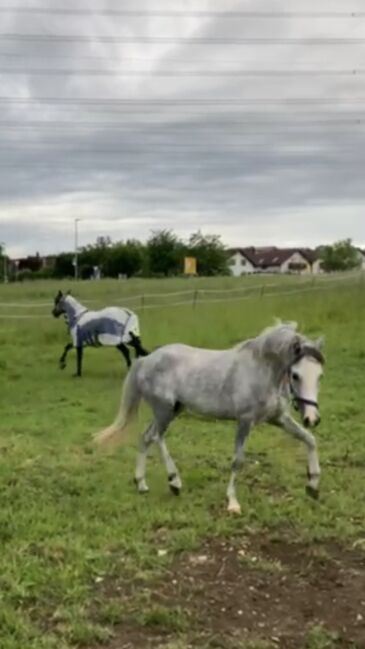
(77, 248)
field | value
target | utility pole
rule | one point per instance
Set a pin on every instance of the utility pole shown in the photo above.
(77, 248)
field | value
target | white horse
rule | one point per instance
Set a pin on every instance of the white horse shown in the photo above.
(251, 383)
(112, 326)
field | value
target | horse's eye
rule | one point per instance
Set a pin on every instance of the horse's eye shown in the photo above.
(295, 376)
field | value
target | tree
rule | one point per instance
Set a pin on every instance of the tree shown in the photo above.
(93, 255)
(210, 253)
(340, 256)
(164, 253)
(124, 258)
(64, 265)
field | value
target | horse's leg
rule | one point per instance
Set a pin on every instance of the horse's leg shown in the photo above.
(155, 432)
(62, 361)
(125, 351)
(241, 434)
(148, 437)
(79, 354)
(293, 428)
(164, 416)
(173, 475)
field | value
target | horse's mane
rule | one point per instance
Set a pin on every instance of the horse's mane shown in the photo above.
(276, 335)
(277, 342)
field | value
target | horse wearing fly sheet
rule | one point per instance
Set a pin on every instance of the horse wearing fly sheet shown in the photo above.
(112, 326)
(252, 383)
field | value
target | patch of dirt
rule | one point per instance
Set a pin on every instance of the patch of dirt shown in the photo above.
(265, 587)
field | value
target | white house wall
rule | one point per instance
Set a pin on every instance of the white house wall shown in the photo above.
(362, 259)
(296, 258)
(239, 265)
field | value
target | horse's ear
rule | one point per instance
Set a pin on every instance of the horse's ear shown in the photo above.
(320, 342)
(297, 347)
(69, 292)
(59, 294)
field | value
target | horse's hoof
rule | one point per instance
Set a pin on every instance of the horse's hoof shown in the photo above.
(76, 376)
(175, 490)
(234, 509)
(62, 366)
(144, 491)
(174, 484)
(312, 492)
(142, 488)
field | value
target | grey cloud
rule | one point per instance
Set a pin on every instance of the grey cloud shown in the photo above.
(187, 165)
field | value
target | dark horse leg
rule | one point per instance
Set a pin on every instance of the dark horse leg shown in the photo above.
(79, 354)
(125, 351)
(137, 346)
(62, 361)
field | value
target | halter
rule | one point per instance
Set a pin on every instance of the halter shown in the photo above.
(300, 401)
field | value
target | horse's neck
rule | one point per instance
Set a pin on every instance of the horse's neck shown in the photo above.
(73, 311)
(280, 376)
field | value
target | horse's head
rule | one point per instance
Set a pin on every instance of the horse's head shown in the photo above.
(59, 305)
(304, 376)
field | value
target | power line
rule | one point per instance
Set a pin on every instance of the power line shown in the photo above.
(203, 161)
(55, 57)
(190, 40)
(157, 146)
(175, 117)
(61, 11)
(162, 101)
(326, 167)
(181, 73)
(208, 124)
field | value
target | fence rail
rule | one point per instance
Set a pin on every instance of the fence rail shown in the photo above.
(194, 297)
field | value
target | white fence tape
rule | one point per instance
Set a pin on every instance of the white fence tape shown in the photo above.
(260, 291)
(198, 292)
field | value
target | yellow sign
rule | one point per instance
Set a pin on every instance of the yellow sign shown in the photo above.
(190, 266)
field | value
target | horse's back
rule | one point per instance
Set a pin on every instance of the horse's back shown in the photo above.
(186, 353)
(178, 362)
(110, 326)
(191, 376)
(115, 313)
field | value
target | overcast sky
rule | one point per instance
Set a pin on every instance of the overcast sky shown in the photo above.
(258, 158)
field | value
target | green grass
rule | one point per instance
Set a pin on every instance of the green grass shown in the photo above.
(70, 521)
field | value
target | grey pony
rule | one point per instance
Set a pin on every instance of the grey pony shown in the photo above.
(253, 382)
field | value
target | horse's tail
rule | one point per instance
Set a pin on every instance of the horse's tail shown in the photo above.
(128, 410)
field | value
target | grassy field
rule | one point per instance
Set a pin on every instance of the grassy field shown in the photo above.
(85, 562)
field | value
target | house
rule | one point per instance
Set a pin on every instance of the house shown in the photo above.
(241, 262)
(32, 264)
(361, 254)
(273, 260)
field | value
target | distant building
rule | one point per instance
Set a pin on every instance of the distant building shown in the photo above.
(32, 264)
(361, 254)
(302, 261)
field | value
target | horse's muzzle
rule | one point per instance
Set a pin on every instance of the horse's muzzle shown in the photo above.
(312, 422)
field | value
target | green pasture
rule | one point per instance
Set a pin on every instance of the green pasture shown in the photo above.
(70, 520)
